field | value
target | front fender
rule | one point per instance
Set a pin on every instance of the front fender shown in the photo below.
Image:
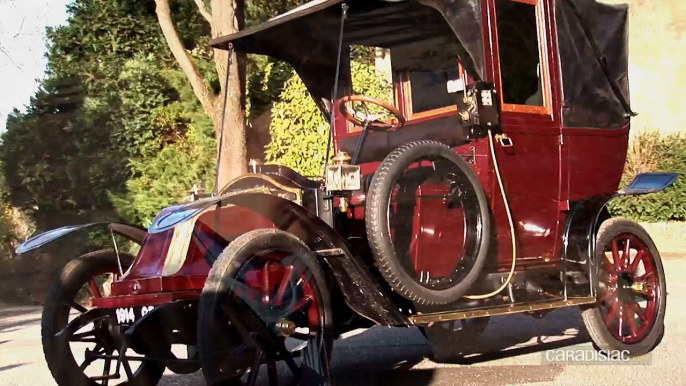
(362, 292)
(131, 232)
(584, 220)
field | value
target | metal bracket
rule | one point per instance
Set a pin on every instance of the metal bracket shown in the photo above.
(116, 251)
(471, 158)
(330, 252)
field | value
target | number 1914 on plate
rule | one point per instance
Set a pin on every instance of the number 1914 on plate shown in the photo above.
(131, 314)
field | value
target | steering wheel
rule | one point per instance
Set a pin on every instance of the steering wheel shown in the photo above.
(365, 119)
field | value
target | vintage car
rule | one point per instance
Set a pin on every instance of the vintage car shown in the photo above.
(477, 187)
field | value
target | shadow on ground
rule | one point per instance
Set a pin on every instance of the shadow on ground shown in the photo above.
(398, 356)
(16, 325)
(10, 367)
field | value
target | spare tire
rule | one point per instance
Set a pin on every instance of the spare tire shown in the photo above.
(428, 223)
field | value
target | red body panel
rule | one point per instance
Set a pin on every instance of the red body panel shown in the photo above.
(437, 249)
(547, 167)
(146, 276)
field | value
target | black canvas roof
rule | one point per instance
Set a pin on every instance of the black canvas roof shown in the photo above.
(592, 42)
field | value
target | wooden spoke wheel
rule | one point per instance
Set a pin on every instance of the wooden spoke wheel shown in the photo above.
(265, 303)
(84, 356)
(631, 290)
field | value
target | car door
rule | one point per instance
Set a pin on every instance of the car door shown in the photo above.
(531, 166)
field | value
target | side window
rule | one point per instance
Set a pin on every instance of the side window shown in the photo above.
(430, 88)
(523, 70)
(429, 73)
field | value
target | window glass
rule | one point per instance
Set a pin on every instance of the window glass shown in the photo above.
(430, 65)
(430, 89)
(520, 68)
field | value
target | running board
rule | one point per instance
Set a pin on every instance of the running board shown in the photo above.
(512, 309)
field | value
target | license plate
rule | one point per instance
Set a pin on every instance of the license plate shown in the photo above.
(129, 315)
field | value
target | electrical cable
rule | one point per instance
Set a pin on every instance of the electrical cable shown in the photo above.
(509, 218)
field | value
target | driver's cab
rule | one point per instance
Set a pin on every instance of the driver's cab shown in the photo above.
(419, 72)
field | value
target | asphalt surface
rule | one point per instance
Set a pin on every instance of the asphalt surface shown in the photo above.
(512, 351)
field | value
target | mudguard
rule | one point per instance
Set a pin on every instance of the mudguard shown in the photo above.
(362, 292)
(585, 218)
(131, 232)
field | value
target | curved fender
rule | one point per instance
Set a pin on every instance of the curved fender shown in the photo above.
(362, 293)
(585, 218)
(131, 232)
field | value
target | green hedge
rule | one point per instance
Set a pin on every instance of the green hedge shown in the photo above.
(298, 128)
(651, 152)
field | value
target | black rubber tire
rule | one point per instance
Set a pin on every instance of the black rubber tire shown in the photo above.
(376, 219)
(592, 317)
(60, 361)
(450, 346)
(228, 263)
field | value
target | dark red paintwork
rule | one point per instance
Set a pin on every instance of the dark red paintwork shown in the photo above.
(548, 167)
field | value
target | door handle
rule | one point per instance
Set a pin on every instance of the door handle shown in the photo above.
(504, 140)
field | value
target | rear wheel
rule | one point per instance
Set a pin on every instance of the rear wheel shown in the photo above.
(72, 357)
(631, 290)
(264, 302)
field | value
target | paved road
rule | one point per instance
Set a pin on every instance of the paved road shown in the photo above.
(512, 352)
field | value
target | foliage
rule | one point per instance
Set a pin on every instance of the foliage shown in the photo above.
(266, 81)
(299, 130)
(258, 11)
(651, 152)
(187, 157)
(107, 98)
(166, 179)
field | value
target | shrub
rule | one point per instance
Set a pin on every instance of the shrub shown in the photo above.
(298, 128)
(651, 152)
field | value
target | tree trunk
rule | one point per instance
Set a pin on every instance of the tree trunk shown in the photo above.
(228, 18)
(225, 17)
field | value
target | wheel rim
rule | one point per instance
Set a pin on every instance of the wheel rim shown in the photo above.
(275, 306)
(97, 338)
(450, 231)
(629, 289)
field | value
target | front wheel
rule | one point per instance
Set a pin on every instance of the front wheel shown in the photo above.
(265, 300)
(631, 290)
(85, 357)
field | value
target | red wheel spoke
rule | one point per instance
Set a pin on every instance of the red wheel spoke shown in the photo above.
(651, 292)
(643, 277)
(620, 319)
(610, 295)
(626, 253)
(611, 312)
(285, 281)
(637, 259)
(299, 305)
(266, 290)
(632, 322)
(615, 255)
(94, 288)
(609, 268)
(636, 308)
